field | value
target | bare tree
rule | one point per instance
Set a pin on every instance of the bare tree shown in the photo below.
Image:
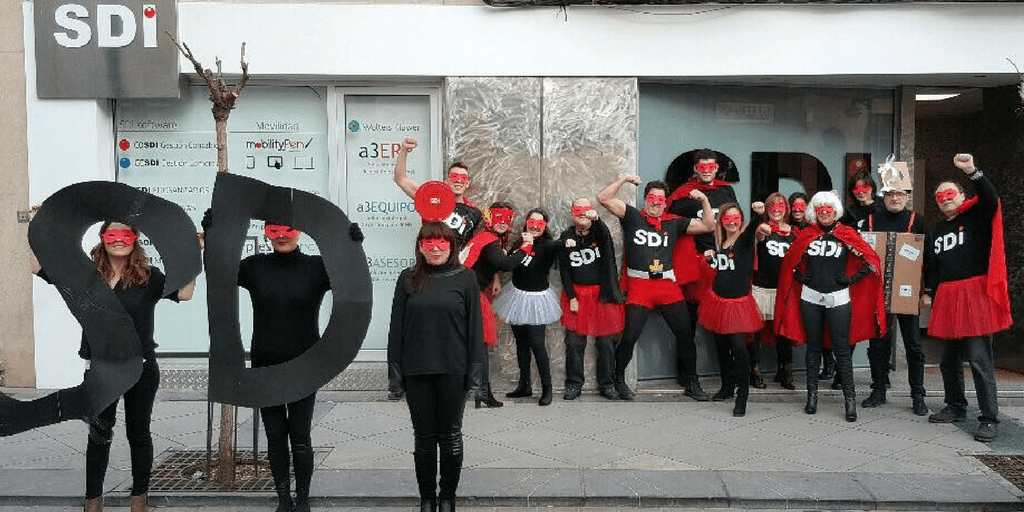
(223, 98)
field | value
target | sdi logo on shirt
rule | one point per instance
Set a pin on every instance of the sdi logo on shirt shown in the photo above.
(777, 249)
(948, 242)
(826, 248)
(584, 256)
(650, 238)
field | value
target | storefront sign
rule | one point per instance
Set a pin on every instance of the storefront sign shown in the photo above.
(106, 49)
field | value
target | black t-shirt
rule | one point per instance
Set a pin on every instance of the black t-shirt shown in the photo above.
(734, 266)
(582, 264)
(770, 253)
(438, 330)
(140, 303)
(286, 291)
(691, 208)
(648, 249)
(960, 248)
(532, 274)
(464, 221)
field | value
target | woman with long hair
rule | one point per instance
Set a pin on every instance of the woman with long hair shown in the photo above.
(528, 305)
(728, 309)
(124, 265)
(436, 353)
(485, 254)
(798, 209)
(774, 236)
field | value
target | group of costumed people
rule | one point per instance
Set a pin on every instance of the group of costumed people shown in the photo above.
(798, 272)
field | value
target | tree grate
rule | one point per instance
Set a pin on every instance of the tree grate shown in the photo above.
(186, 471)
(1010, 467)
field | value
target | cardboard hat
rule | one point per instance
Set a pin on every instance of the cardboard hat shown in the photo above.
(434, 201)
(894, 176)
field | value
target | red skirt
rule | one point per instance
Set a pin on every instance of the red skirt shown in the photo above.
(696, 291)
(490, 323)
(594, 318)
(728, 316)
(962, 309)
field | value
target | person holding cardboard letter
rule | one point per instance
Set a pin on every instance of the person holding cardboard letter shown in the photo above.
(968, 276)
(896, 218)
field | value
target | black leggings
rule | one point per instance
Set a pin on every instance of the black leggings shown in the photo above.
(837, 319)
(678, 319)
(733, 362)
(138, 413)
(436, 405)
(284, 423)
(530, 338)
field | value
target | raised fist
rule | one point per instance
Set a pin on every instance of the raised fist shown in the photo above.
(409, 144)
(964, 162)
(757, 207)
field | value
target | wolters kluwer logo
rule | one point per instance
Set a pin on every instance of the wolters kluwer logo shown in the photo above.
(353, 126)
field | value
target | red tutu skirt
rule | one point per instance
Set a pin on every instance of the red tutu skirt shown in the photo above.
(728, 316)
(651, 293)
(696, 291)
(594, 318)
(962, 309)
(490, 323)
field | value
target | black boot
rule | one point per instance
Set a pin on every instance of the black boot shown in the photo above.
(723, 394)
(876, 398)
(740, 408)
(446, 505)
(622, 389)
(919, 407)
(851, 408)
(812, 402)
(428, 505)
(785, 375)
(545, 395)
(694, 391)
(284, 496)
(756, 381)
(828, 365)
(523, 390)
(484, 395)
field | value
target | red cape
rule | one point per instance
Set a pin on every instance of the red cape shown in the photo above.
(868, 316)
(683, 192)
(476, 245)
(997, 288)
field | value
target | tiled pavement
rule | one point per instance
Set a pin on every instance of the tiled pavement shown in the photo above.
(659, 451)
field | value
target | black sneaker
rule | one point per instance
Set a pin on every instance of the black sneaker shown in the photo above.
(609, 392)
(986, 432)
(571, 393)
(624, 392)
(919, 407)
(947, 415)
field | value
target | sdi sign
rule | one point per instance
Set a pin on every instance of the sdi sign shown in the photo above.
(106, 49)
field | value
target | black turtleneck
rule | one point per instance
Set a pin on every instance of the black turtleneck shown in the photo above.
(286, 291)
(883, 220)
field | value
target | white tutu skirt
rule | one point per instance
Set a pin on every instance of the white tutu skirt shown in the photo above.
(765, 298)
(517, 307)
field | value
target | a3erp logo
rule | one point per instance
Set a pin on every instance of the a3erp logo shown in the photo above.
(776, 248)
(650, 239)
(109, 33)
(723, 262)
(584, 256)
(948, 241)
(827, 248)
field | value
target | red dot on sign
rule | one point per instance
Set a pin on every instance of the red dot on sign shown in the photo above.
(258, 145)
(124, 144)
(149, 12)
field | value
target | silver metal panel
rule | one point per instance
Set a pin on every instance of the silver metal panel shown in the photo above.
(98, 49)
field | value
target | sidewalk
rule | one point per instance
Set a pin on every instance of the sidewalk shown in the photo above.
(659, 451)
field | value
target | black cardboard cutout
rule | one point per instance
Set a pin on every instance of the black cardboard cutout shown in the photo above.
(236, 200)
(56, 235)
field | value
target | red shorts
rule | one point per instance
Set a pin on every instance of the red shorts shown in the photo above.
(963, 309)
(594, 318)
(651, 293)
(728, 316)
(490, 323)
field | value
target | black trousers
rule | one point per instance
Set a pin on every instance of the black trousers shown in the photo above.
(837, 319)
(575, 350)
(978, 351)
(733, 362)
(530, 339)
(436, 406)
(880, 353)
(678, 319)
(138, 414)
(290, 422)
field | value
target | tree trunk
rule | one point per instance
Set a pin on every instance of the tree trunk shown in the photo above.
(226, 447)
(222, 142)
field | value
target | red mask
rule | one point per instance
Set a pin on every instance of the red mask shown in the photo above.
(825, 209)
(275, 231)
(581, 211)
(655, 199)
(863, 188)
(458, 177)
(800, 207)
(777, 207)
(946, 195)
(732, 218)
(707, 167)
(536, 224)
(430, 244)
(494, 216)
(126, 236)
